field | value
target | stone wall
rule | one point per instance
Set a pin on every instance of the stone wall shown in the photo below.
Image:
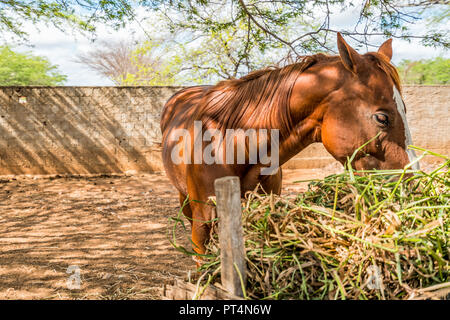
(87, 130)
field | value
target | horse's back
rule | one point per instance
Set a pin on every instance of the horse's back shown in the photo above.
(180, 106)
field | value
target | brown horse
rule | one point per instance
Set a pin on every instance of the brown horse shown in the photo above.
(342, 101)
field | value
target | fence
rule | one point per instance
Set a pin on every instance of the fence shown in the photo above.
(88, 130)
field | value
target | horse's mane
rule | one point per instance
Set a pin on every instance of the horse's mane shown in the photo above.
(257, 100)
(261, 98)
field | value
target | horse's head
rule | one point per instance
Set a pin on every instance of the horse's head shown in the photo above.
(367, 102)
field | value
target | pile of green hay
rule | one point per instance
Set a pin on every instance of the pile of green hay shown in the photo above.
(381, 235)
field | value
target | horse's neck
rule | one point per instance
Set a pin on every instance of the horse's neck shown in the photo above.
(304, 134)
(307, 111)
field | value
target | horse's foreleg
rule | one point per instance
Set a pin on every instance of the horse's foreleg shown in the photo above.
(272, 183)
(201, 226)
(269, 183)
(186, 207)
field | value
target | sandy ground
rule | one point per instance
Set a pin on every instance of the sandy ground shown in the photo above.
(113, 230)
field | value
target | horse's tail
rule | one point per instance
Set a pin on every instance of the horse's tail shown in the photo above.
(180, 100)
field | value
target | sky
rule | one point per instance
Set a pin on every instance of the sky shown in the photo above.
(62, 48)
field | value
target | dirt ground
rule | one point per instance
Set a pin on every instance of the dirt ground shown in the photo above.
(113, 230)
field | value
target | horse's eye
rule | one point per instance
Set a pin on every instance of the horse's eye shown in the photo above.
(381, 119)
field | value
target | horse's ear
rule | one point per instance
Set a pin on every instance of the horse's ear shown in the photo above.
(350, 58)
(386, 49)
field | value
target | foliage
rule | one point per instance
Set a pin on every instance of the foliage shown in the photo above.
(22, 69)
(79, 14)
(266, 22)
(130, 63)
(228, 39)
(378, 235)
(187, 57)
(431, 71)
(122, 61)
(221, 54)
(311, 21)
(157, 68)
(211, 40)
(177, 58)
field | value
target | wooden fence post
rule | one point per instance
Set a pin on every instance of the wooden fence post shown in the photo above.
(231, 241)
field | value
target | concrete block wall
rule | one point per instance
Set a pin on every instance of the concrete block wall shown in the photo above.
(80, 130)
(89, 130)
